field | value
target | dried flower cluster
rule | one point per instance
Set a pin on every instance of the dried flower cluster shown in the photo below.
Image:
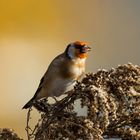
(8, 134)
(112, 99)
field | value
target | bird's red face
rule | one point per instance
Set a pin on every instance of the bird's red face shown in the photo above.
(77, 50)
(81, 49)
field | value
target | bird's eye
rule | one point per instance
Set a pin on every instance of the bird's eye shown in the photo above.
(78, 47)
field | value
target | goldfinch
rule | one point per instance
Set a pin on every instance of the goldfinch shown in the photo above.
(62, 73)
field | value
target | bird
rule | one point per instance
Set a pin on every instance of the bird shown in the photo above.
(62, 73)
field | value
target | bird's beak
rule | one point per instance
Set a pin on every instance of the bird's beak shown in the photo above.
(86, 49)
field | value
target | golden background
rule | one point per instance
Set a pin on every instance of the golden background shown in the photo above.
(33, 32)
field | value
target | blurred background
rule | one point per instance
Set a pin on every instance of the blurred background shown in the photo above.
(33, 32)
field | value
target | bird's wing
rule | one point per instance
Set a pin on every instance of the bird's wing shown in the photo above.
(52, 70)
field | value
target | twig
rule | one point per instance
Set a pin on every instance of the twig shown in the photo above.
(27, 123)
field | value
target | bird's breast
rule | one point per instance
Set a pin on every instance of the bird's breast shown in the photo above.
(72, 70)
(77, 70)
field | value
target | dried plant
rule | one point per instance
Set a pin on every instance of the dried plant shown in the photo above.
(112, 99)
(8, 134)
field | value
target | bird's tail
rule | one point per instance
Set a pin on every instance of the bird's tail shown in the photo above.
(28, 104)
